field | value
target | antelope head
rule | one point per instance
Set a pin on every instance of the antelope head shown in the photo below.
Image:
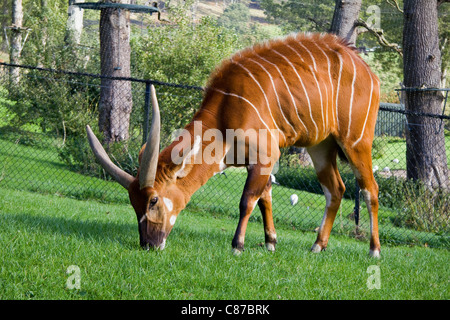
(156, 202)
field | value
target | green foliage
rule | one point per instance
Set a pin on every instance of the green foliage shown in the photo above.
(423, 209)
(181, 53)
(236, 17)
(391, 22)
(55, 103)
(293, 15)
(5, 107)
(379, 146)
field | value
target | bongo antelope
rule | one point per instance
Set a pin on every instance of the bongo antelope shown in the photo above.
(305, 90)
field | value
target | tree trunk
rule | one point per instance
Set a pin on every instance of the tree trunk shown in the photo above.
(16, 39)
(425, 140)
(115, 95)
(346, 13)
(4, 13)
(74, 23)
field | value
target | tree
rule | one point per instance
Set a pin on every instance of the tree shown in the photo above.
(115, 96)
(5, 17)
(16, 38)
(74, 23)
(346, 13)
(422, 71)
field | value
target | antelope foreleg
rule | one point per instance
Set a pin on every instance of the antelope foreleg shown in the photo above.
(253, 190)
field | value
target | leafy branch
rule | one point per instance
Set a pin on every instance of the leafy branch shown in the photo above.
(379, 34)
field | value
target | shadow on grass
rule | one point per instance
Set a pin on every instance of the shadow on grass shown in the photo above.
(88, 230)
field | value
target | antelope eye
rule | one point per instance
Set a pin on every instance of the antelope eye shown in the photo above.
(153, 201)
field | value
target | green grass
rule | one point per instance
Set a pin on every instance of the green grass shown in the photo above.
(395, 148)
(42, 235)
(35, 166)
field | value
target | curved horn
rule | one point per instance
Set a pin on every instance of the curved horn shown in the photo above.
(150, 155)
(118, 174)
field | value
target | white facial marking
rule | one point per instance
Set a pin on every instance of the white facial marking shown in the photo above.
(273, 235)
(173, 218)
(168, 203)
(374, 253)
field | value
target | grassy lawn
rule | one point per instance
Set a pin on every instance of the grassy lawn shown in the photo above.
(393, 149)
(42, 235)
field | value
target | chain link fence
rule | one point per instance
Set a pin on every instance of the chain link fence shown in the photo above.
(43, 148)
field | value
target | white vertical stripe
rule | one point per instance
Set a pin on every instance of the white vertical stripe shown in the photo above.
(338, 86)
(287, 87)
(330, 78)
(310, 54)
(304, 89)
(314, 75)
(276, 94)
(368, 108)
(251, 104)
(264, 94)
(351, 96)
